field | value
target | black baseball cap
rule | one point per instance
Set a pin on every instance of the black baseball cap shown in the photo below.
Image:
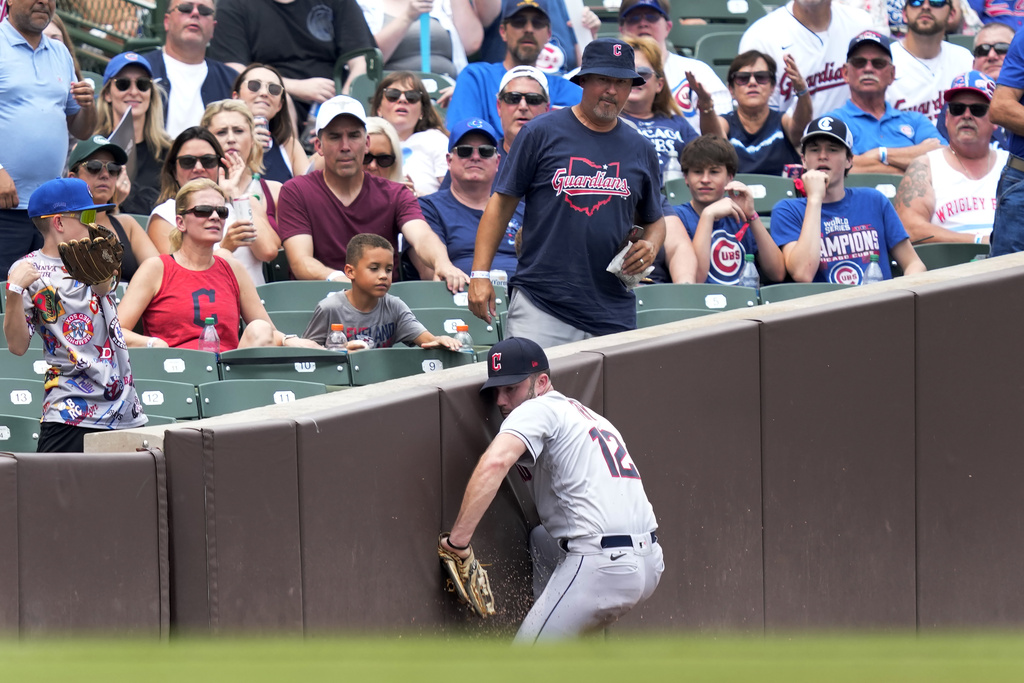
(512, 360)
(610, 57)
(828, 127)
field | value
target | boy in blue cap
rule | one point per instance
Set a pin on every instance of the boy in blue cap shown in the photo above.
(89, 386)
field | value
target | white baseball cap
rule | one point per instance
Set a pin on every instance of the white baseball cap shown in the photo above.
(339, 106)
(527, 71)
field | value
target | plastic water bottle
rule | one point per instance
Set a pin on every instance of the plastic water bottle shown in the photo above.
(462, 334)
(873, 272)
(336, 339)
(749, 276)
(673, 171)
(209, 340)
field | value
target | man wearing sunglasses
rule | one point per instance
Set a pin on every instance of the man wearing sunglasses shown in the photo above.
(991, 44)
(40, 103)
(949, 194)
(926, 63)
(526, 28)
(318, 213)
(559, 54)
(885, 139)
(190, 79)
(1008, 111)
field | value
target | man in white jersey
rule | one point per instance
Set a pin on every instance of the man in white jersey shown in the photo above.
(949, 194)
(925, 62)
(588, 493)
(816, 33)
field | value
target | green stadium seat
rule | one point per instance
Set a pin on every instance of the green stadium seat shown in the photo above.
(702, 297)
(277, 270)
(767, 190)
(231, 396)
(433, 294)
(795, 290)
(946, 254)
(175, 400)
(718, 49)
(442, 321)
(21, 396)
(677, 192)
(291, 322)
(29, 366)
(284, 362)
(297, 295)
(886, 183)
(174, 365)
(19, 434)
(378, 365)
(660, 316)
(720, 15)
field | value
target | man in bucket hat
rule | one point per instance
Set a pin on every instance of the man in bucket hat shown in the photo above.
(587, 177)
(589, 495)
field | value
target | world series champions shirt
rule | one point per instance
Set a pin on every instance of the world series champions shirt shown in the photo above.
(584, 190)
(862, 223)
(89, 382)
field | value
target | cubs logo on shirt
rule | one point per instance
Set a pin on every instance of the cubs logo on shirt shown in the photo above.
(726, 258)
(846, 273)
(588, 186)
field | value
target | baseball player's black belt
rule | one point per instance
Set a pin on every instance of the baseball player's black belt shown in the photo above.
(623, 541)
(1015, 162)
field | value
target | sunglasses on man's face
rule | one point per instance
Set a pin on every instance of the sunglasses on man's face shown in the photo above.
(124, 84)
(983, 49)
(466, 151)
(878, 63)
(978, 109)
(743, 77)
(537, 22)
(383, 160)
(256, 85)
(934, 3)
(411, 96)
(96, 166)
(533, 99)
(206, 210)
(187, 162)
(187, 7)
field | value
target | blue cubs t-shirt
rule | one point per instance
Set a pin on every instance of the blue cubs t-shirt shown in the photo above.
(456, 225)
(1012, 76)
(862, 223)
(727, 252)
(584, 190)
(664, 133)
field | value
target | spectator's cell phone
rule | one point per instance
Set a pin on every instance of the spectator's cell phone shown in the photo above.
(635, 233)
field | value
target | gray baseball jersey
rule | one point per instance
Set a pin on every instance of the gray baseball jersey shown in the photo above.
(388, 323)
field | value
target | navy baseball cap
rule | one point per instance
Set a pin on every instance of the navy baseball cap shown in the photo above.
(62, 195)
(611, 57)
(870, 37)
(830, 127)
(628, 6)
(512, 7)
(462, 128)
(121, 61)
(86, 148)
(512, 360)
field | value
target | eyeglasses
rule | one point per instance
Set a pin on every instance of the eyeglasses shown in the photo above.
(983, 49)
(878, 63)
(519, 21)
(256, 85)
(634, 18)
(743, 77)
(205, 211)
(187, 7)
(95, 167)
(934, 3)
(411, 96)
(383, 160)
(466, 151)
(645, 73)
(533, 99)
(142, 83)
(187, 162)
(978, 109)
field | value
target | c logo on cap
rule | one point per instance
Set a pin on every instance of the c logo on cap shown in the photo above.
(496, 362)
(617, 50)
(825, 123)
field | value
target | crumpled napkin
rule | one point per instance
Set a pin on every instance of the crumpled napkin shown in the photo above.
(615, 267)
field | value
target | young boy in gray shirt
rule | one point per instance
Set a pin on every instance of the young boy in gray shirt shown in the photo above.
(373, 318)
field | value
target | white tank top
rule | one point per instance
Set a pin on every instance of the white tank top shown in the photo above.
(963, 204)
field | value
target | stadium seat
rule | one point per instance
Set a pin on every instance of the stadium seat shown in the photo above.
(19, 434)
(378, 365)
(35, 342)
(175, 400)
(21, 396)
(174, 365)
(101, 30)
(291, 322)
(962, 40)
(364, 83)
(946, 254)
(277, 270)
(285, 362)
(428, 294)
(720, 15)
(677, 192)
(660, 316)
(718, 49)
(29, 366)
(443, 321)
(142, 218)
(767, 190)
(701, 297)
(796, 290)
(886, 183)
(230, 396)
(297, 295)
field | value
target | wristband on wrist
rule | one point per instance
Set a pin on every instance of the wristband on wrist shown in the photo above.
(151, 342)
(752, 217)
(479, 275)
(803, 92)
(287, 337)
(883, 155)
(706, 110)
(457, 547)
(17, 289)
(330, 278)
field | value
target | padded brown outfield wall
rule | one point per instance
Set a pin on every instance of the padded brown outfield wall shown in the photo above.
(846, 460)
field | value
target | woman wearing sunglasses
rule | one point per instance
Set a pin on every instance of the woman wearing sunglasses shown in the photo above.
(162, 295)
(383, 156)
(402, 100)
(128, 85)
(197, 154)
(651, 107)
(261, 88)
(765, 140)
(99, 163)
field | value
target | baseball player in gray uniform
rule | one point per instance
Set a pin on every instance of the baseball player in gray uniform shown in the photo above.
(588, 491)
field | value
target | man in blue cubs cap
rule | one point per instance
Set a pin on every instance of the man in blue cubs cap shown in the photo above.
(89, 384)
(833, 233)
(587, 178)
(595, 516)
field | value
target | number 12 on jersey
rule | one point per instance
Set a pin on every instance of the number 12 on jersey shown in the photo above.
(619, 462)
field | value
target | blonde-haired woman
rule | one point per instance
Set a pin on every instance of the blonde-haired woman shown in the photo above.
(175, 293)
(384, 153)
(128, 84)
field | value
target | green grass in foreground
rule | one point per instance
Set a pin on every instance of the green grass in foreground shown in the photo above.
(987, 658)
